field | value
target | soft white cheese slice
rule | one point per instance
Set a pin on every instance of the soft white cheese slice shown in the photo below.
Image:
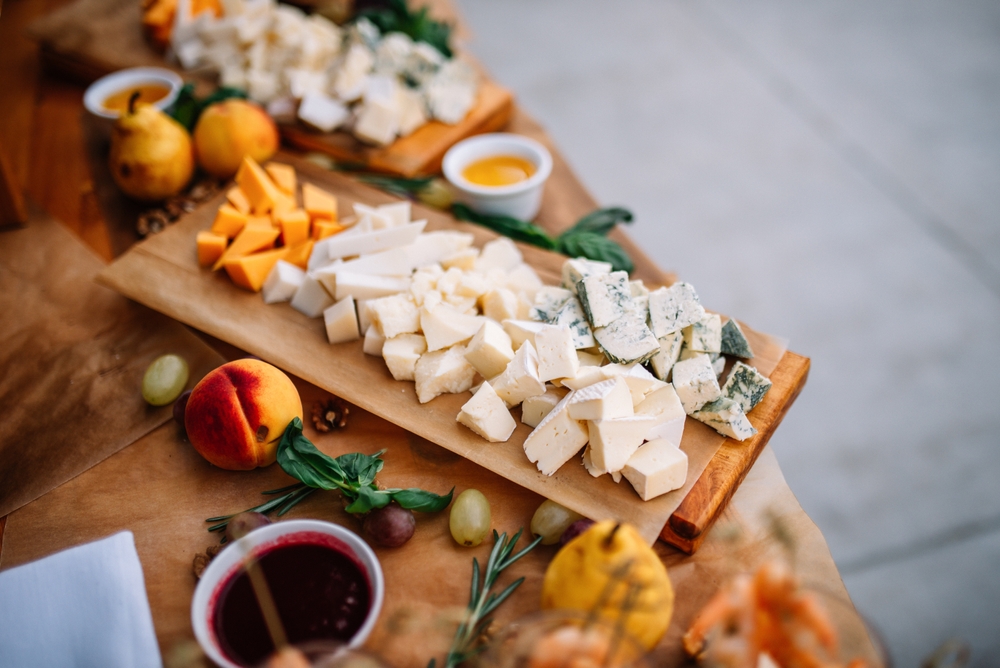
(534, 409)
(500, 253)
(366, 286)
(585, 377)
(588, 463)
(656, 468)
(614, 440)
(487, 415)
(398, 212)
(522, 278)
(311, 299)
(341, 321)
(374, 340)
(500, 304)
(472, 284)
(670, 350)
(379, 220)
(606, 399)
(362, 243)
(401, 354)
(695, 382)
(490, 351)
(725, 416)
(556, 353)
(520, 331)
(589, 359)
(444, 326)
(464, 259)
(395, 314)
(556, 439)
(282, 283)
(322, 111)
(665, 406)
(432, 247)
(442, 371)
(520, 379)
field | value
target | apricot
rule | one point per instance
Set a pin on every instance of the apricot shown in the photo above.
(237, 413)
(229, 130)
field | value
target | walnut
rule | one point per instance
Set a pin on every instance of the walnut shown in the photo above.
(330, 414)
(203, 559)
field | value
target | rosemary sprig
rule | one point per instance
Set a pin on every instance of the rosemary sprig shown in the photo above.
(481, 601)
(290, 497)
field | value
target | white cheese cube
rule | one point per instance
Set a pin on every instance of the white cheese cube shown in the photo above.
(640, 382)
(466, 305)
(556, 439)
(523, 278)
(520, 331)
(366, 286)
(431, 247)
(350, 81)
(520, 379)
(448, 283)
(534, 409)
(604, 297)
(490, 351)
(588, 463)
(571, 314)
(589, 359)
(486, 414)
(695, 382)
(500, 304)
(322, 111)
(374, 340)
(410, 110)
(726, 417)
(311, 299)
(656, 468)
(463, 259)
(379, 220)
(556, 353)
(395, 315)
(674, 308)
(734, 341)
(431, 299)
(282, 283)
(705, 335)
(585, 377)
(614, 440)
(365, 316)
(606, 399)
(401, 354)
(577, 269)
(443, 326)
(665, 407)
(442, 371)
(341, 321)
(627, 340)
(500, 253)
(670, 350)
(398, 212)
(746, 386)
(472, 284)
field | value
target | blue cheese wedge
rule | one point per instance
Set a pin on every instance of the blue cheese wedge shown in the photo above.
(627, 340)
(571, 315)
(556, 439)
(695, 382)
(614, 440)
(556, 353)
(674, 308)
(734, 342)
(726, 417)
(486, 414)
(442, 371)
(704, 336)
(746, 386)
(577, 269)
(656, 468)
(520, 379)
(534, 409)
(548, 302)
(665, 406)
(604, 297)
(668, 354)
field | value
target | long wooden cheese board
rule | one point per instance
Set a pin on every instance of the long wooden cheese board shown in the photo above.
(162, 273)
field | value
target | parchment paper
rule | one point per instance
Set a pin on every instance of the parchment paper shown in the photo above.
(72, 356)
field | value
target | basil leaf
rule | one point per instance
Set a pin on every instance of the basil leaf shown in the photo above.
(368, 499)
(594, 246)
(601, 221)
(360, 469)
(519, 230)
(299, 458)
(420, 500)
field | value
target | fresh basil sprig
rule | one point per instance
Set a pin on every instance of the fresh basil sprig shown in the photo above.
(519, 230)
(395, 16)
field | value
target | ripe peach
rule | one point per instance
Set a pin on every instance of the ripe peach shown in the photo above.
(229, 130)
(237, 413)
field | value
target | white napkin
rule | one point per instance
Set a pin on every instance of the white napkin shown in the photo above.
(85, 606)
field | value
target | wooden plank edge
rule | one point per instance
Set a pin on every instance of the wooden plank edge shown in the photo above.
(689, 524)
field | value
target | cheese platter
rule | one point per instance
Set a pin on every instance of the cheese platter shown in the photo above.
(163, 272)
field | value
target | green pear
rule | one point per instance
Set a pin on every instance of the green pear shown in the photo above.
(151, 154)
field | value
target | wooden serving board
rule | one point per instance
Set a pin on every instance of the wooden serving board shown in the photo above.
(162, 273)
(88, 39)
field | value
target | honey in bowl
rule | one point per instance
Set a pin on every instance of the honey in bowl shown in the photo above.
(148, 94)
(498, 170)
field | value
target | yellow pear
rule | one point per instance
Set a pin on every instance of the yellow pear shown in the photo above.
(151, 155)
(611, 572)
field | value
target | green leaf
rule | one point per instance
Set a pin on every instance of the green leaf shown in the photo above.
(421, 500)
(601, 221)
(594, 246)
(299, 458)
(187, 108)
(361, 468)
(397, 17)
(367, 499)
(519, 230)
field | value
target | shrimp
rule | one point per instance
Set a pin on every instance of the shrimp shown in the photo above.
(729, 616)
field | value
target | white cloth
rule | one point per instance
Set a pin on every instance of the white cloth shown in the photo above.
(85, 606)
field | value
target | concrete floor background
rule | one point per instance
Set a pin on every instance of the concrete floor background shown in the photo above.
(830, 172)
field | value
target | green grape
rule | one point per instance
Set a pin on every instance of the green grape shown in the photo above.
(164, 380)
(470, 519)
(550, 520)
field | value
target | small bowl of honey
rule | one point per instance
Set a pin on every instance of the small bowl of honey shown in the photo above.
(109, 96)
(499, 173)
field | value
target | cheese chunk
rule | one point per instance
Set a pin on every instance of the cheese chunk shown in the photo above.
(589, 359)
(229, 221)
(606, 399)
(311, 299)
(746, 386)
(299, 254)
(374, 341)
(282, 283)
(705, 335)
(500, 304)
(604, 297)
(556, 439)
(734, 342)
(656, 468)
(395, 315)
(322, 111)
(486, 414)
(520, 379)
(726, 417)
(670, 350)
(490, 351)
(294, 226)
(444, 326)
(318, 203)
(556, 354)
(614, 440)
(365, 286)
(627, 340)
(500, 253)
(520, 331)
(283, 176)
(669, 417)
(523, 278)
(260, 191)
(401, 354)
(363, 243)
(341, 321)
(323, 229)
(577, 269)
(548, 301)
(442, 371)
(674, 308)
(377, 123)
(211, 246)
(250, 271)
(588, 463)
(250, 240)
(238, 200)
(695, 382)
(640, 382)
(534, 409)
(572, 315)
(398, 212)
(473, 284)
(464, 259)
(585, 377)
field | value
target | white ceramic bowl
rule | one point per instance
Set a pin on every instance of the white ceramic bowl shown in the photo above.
(121, 80)
(230, 560)
(520, 200)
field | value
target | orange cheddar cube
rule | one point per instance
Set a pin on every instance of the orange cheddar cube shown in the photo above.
(283, 177)
(253, 238)
(319, 203)
(228, 221)
(211, 246)
(250, 271)
(257, 186)
(259, 221)
(283, 205)
(325, 228)
(299, 254)
(294, 226)
(238, 200)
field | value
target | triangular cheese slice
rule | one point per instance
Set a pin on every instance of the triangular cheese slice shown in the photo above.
(252, 238)
(250, 271)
